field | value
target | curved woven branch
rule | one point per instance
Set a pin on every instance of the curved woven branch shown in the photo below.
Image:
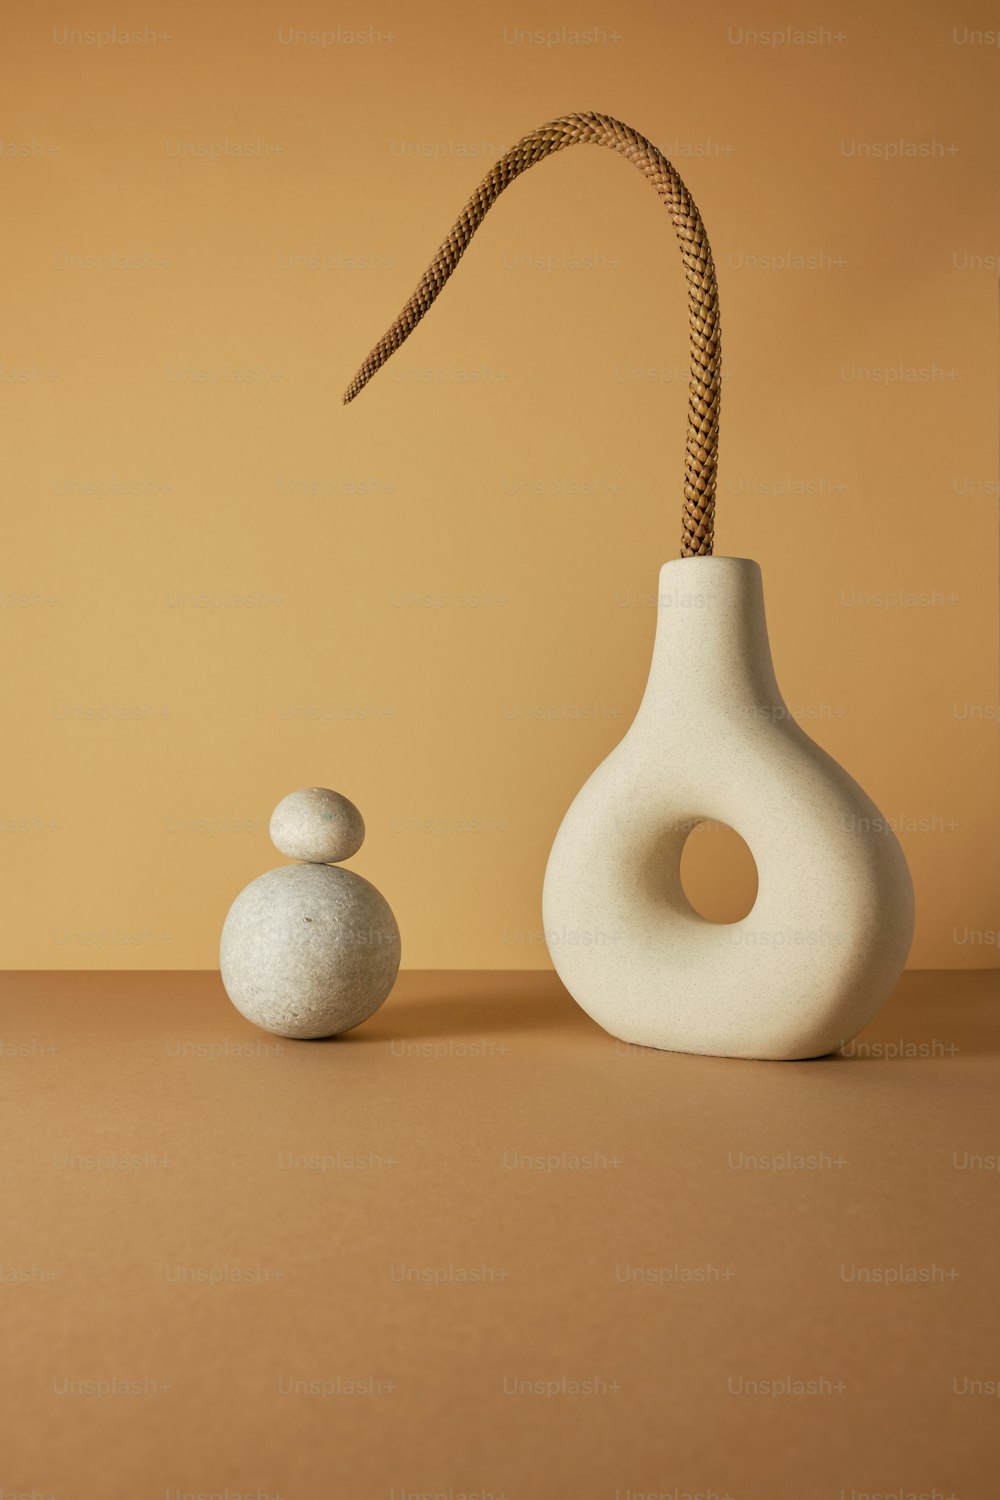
(704, 389)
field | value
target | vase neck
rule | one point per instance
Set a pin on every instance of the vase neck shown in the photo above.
(711, 644)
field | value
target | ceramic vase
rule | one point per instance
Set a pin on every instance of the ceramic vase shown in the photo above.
(831, 927)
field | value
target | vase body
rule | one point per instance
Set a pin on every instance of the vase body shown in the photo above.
(831, 927)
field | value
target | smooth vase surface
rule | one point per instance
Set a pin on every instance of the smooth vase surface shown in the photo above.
(831, 927)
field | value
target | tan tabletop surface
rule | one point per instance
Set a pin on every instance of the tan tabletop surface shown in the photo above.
(478, 1248)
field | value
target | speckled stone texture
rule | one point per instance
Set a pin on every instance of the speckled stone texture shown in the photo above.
(830, 930)
(317, 825)
(309, 950)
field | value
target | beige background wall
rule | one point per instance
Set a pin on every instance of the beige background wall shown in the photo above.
(439, 600)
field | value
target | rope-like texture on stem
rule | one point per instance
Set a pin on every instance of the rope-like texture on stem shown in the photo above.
(705, 386)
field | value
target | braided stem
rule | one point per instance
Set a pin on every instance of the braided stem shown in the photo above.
(705, 384)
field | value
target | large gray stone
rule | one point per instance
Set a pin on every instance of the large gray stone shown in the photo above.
(309, 950)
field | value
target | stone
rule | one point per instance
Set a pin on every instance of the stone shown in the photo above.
(830, 930)
(317, 825)
(309, 950)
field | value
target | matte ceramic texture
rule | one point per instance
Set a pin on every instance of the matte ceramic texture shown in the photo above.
(309, 950)
(317, 825)
(830, 930)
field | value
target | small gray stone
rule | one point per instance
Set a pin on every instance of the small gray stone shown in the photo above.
(317, 825)
(309, 950)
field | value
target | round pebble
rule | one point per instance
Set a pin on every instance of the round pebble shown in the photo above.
(309, 950)
(317, 825)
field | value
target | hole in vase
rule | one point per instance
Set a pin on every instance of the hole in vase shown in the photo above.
(718, 873)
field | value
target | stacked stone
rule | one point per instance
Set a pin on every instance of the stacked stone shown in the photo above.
(309, 949)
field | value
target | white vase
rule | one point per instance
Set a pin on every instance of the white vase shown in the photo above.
(830, 930)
